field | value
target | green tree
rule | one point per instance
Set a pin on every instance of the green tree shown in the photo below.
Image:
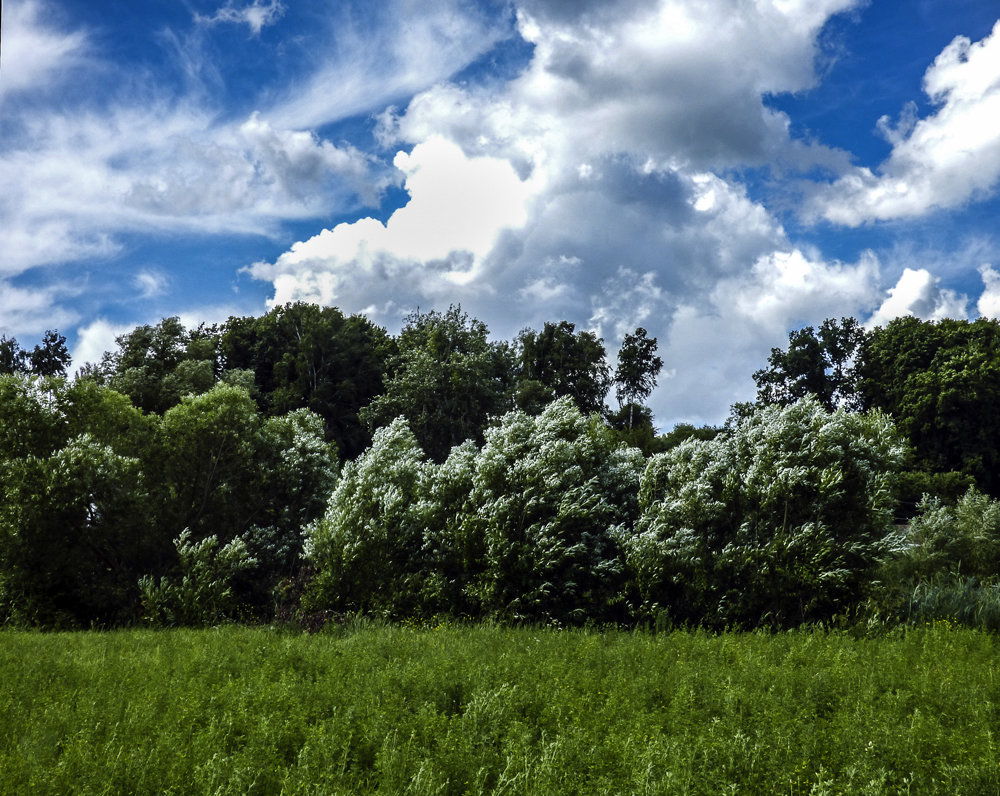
(13, 359)
(822, 363)
(51, 357)
(303, 356)
(155, 366)
(551, 494)
(558, 362)
(447, 379)
(76, 522)
(941, 382)
(638, 367)
(366, 549)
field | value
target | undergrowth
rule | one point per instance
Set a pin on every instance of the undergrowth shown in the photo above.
(484, 709)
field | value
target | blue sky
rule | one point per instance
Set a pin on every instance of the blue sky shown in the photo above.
(717, 171)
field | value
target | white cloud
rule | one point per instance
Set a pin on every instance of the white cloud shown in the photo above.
(716, 341)
(94, 339)
(412, 47)
(35, 52)
(78, 181)
(150, 283)
(612, 142)
(941, 161)
(458, 208)
(681, 83)
(989, 302)
(255, 16)
(918, 293)
(32, 311)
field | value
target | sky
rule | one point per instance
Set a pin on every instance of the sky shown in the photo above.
(719, 172)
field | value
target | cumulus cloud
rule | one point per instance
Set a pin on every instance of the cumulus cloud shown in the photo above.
(255, 16)
(457, 210)
(919, 293)
(681, 83)
(941, 161)
(94, 339)
(989, 302)
(712, 338)
(613, 143)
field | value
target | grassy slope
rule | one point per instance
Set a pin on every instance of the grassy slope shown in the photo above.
(485, 709)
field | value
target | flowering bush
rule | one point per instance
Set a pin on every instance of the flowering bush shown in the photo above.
(779, 521)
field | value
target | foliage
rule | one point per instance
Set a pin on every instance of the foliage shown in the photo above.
(963, 539)
(452, 710)
(821, 363)
(559, 362)
(156, 365)
(201, 593)
(93, 491)
(50, 358)
(302, 356)
(633, 426)
(941, 382)
(519, 529)
(550, 494)
(448, 380)
(778, 521)
(638, 367)
(685, 431)
(952, 600)
(74, 530)
(365, 549)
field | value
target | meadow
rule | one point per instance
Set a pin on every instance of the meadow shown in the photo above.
(485, 709)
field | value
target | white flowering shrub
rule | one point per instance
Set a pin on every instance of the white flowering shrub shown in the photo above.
(549, 497)
(524, 528)
(366, 547)
(452, 548)
(781, 520)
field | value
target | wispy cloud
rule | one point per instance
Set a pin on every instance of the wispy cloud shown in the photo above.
(255, 16)
(36, 53)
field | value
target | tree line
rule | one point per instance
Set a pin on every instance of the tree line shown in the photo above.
(306, 464)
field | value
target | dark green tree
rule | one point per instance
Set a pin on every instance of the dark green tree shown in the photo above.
(13, 358)
(638, 367)
(303, 356)
(448, 380)
(76, 526)
(558, 362)
(822, 363)
(156, 365)
(941, 382)
(51, 357)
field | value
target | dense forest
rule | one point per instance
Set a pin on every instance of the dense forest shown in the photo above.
(305, 466)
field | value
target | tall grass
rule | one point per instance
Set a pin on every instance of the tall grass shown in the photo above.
(484, 709)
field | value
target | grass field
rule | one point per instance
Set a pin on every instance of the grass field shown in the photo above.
(486, 709)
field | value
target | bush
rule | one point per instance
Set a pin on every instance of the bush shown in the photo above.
(779, 521)
(202, 593)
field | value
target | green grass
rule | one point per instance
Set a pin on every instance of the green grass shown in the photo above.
(486, 709)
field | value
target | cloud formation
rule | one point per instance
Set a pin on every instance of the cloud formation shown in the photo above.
(608, 201)
(36, 53)
(941, 161)
(255, 16)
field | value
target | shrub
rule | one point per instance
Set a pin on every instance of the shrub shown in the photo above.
(779, 521)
